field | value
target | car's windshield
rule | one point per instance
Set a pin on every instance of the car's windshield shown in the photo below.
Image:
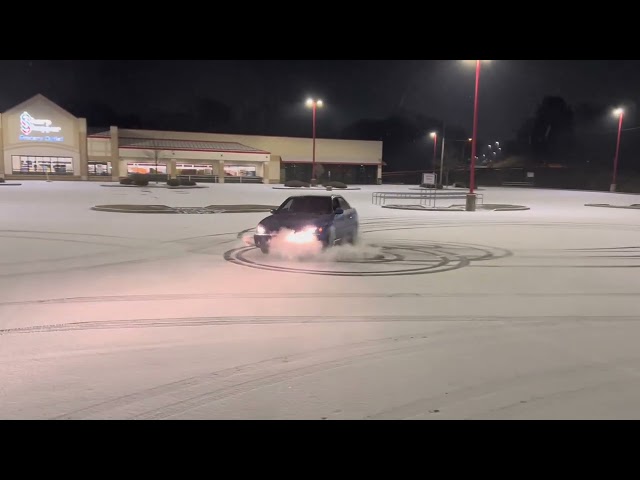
(317, 205)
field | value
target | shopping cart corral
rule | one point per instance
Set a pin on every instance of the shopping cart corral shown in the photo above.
(431, 198)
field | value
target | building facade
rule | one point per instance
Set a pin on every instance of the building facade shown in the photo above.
(39, 139)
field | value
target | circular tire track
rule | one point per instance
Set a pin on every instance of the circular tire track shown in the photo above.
(415, 257)
(392, 259)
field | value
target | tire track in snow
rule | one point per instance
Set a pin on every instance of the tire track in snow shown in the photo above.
(254, 375)
(172, 297)
(273, 320)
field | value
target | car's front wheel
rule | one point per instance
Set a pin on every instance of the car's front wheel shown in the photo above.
(331, 237)
(264, 250)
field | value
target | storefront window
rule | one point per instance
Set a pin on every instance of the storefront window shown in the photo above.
(240, 171)
(146, 168)
(186, 169)
(99, 169)
(22, 164)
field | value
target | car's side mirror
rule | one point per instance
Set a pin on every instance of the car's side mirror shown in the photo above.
(339, 211)
(273, 210)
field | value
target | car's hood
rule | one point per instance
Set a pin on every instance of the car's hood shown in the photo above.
(295, 221)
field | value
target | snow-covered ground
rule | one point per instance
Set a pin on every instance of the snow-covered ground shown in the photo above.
(526, 314)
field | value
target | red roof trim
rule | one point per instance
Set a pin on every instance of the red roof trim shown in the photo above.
(254, 152)
(332, 163)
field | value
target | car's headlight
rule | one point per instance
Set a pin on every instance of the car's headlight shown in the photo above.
(310, 229)
(260, 230)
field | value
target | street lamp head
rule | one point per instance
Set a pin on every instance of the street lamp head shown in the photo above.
(473, 62)
(433, 134)
(311, 102)
(618, 111)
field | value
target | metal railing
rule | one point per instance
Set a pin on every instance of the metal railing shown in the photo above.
(428, 198)
(517, 184)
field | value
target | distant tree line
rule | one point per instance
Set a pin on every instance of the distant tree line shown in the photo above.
(584, 135)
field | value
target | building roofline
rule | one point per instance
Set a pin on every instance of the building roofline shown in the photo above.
(22, 104)
(242, 135)
(179, 149)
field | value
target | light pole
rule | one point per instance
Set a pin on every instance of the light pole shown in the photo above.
(444, 128)
(471, 197)
(314, 104)
(434, 135)
(620, 113)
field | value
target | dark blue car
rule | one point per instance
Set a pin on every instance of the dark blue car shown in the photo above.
(308, 218)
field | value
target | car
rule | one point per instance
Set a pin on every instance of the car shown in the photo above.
(310, 218)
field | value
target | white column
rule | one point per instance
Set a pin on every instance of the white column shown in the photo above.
(1, 149)
(221, 171)
(115, 155)
(82, 142)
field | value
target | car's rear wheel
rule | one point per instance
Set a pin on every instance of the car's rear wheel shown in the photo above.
(353, 236)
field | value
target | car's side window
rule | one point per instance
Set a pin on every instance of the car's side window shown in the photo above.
(287, 205)
(343, 204)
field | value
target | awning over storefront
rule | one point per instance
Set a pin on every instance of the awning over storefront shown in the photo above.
(181, 145)
(328, 160)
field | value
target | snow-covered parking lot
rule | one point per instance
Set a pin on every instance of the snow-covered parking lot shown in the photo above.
(434, 315)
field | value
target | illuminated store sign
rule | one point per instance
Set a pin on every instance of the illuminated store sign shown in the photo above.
(29, 126)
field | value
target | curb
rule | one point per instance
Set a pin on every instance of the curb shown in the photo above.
(633, 206)
(184, 187)
(210, 209)
(317, 189)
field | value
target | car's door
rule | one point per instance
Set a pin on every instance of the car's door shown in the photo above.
(339, 219)
(350, 215)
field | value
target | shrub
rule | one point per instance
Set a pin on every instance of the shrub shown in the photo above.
(126, 181)
(140, 180)
(295, 183)
(335, 184)
(187, 182)
(173, 182)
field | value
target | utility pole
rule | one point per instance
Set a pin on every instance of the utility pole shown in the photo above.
(442, 154)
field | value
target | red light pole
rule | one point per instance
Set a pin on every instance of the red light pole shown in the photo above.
(434, 135)
(471, 197)
(620, 113)
(314, 104)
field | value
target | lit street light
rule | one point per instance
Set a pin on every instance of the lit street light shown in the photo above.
(313, 104)
(434, 135)
(620, 113)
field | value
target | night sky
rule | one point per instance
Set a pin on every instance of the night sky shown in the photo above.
(509, 89)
